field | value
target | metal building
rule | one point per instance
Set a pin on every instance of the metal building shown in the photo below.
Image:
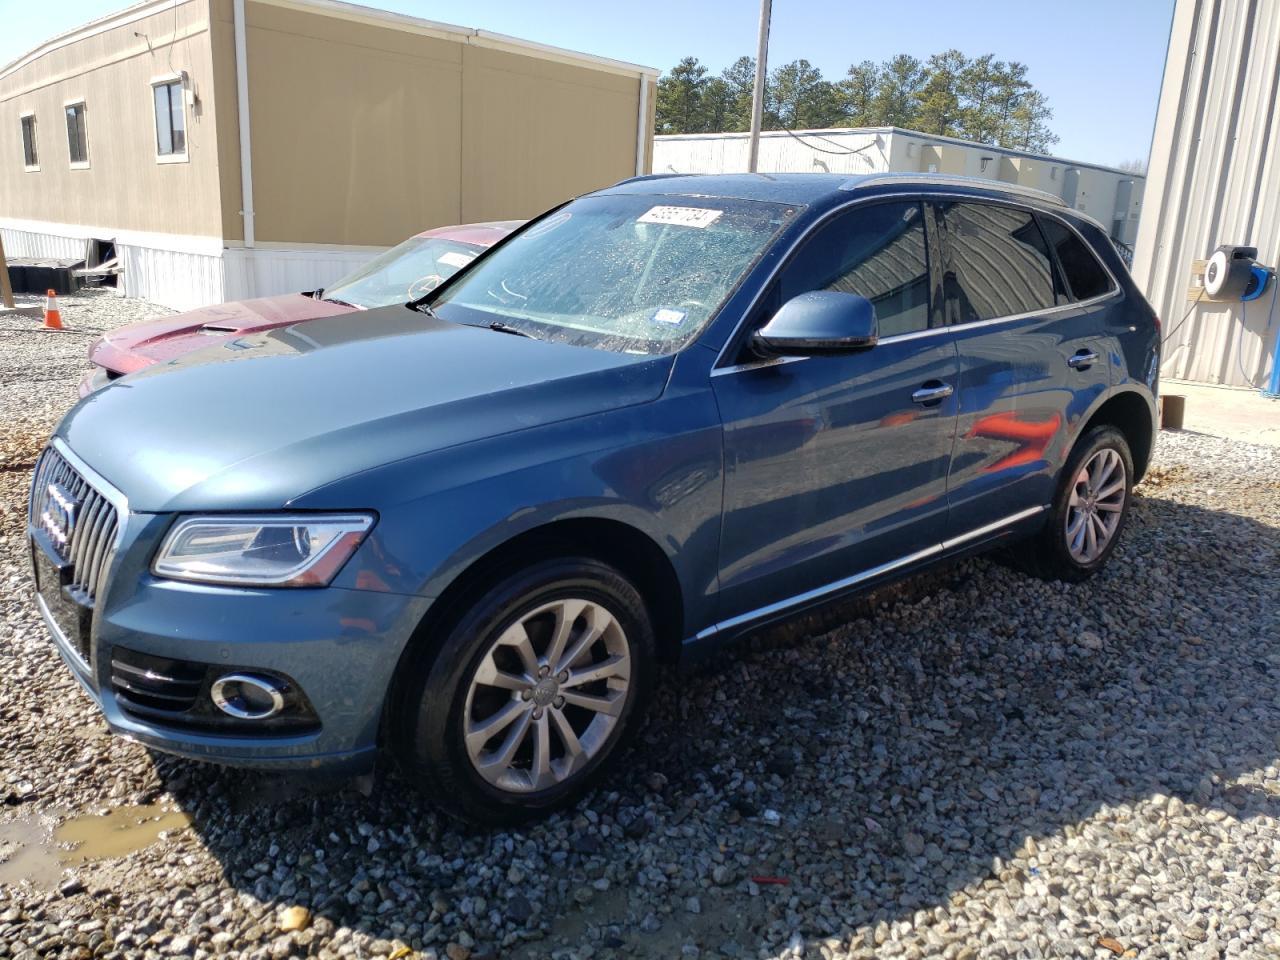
(1214, 178)
(1112, 197)
(230, 148)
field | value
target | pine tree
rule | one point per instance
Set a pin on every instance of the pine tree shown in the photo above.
(679, 107)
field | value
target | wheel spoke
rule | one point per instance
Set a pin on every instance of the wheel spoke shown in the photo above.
(1103, 534)
(540, 772)
(517, 638)
(510, 743)
(1090, 540)
(1112, 506)
(610, 704)
(1073, 528)
(612, 667)
(478, 735)
(1076, 533)
(574, 755)
(1111, 490)
(490, 676)
(598, 621)
(1107, 466)
(567, 614)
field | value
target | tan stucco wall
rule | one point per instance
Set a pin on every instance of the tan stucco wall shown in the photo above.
(364, 135)
(124, 187)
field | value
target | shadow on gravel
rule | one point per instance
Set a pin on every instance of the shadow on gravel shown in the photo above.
(908, 753)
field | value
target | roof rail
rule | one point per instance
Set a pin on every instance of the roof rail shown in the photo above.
(641, 177)
(952, 180)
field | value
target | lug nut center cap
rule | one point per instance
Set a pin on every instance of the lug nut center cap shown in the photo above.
(545, 691)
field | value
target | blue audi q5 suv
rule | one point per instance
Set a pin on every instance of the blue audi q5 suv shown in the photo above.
(466, 529)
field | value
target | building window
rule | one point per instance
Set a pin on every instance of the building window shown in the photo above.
(77, 139)
(30, 158)
(171, 121)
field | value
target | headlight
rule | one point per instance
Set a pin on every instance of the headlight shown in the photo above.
(279, 550)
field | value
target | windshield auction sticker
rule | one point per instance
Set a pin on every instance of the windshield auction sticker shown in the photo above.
(454, 259)
(698, 217)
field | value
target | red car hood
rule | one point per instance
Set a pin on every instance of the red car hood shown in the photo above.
(142, 344)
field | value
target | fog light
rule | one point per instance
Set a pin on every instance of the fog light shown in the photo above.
(246, 697)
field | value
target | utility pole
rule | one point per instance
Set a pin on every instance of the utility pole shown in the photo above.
(757, 96)
(6, 290)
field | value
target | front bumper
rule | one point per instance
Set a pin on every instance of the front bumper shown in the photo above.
(339, 645)
(278, 753)
(330, 644)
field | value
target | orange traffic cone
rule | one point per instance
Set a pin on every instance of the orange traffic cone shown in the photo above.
(52, 315)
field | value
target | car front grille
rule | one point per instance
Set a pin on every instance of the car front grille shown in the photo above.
(78, 520)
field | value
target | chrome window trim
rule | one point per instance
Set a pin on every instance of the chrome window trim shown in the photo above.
(817, 593)
(719, 368)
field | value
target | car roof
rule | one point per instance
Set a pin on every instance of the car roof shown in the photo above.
(778, 187)
(823, 189)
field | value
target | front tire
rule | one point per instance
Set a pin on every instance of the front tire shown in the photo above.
(533, 693)
(1088, 513)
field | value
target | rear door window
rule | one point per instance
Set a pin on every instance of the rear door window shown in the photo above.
(997, 263)
(875, 250)
(1085, 276)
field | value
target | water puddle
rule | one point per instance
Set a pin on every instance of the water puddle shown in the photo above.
(36, 851)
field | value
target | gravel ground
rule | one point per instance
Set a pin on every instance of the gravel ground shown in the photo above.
(975, 765)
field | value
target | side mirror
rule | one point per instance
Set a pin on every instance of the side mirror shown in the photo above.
(823, 321)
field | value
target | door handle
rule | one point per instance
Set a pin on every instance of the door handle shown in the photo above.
(1083, 360)
(932, 392)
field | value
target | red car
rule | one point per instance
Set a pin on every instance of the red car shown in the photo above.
(403, 273)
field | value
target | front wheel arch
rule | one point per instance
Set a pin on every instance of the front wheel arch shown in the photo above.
(629, 550)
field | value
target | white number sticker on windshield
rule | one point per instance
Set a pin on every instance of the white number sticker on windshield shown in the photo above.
(455, 259)
(681, 216)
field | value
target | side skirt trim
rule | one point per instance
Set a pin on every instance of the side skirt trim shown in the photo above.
(840, 585)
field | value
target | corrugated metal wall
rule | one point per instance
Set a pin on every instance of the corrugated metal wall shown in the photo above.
(1214, 177)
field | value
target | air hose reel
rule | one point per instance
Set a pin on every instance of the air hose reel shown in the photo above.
(1233, 273)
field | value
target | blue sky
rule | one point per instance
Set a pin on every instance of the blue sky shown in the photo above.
(1098, 61)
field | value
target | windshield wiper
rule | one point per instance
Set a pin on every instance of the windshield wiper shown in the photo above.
(341, 303)
(501, 327)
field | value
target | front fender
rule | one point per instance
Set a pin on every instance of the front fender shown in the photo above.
(654, 467)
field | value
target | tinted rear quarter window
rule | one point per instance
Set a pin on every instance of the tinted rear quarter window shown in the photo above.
(1085, 276)
(997, 263)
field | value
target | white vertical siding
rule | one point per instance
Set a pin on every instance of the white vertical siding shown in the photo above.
(276, 271)
(188, 272)
(28, 243)
(1214, 177)
(174, 278)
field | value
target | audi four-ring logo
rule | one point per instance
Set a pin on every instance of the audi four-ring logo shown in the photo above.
(59, 517)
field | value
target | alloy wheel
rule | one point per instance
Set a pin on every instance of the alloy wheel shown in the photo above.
(1096, 505)
(547, 695)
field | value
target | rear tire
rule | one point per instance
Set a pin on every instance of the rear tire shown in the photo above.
(1088, 513)
(532, 695)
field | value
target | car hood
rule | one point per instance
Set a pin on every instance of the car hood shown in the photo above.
(141, 344)
(256, 421)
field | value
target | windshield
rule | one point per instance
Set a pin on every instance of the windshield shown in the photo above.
(405, 272)
(629, 273)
